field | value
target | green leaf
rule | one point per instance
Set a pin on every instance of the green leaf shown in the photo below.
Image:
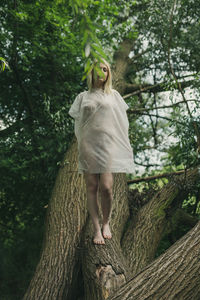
(99, 50)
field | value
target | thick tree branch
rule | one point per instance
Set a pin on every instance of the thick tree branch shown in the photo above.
(105, 268)
(167, 277)
(121, 65)
(180, 217)
(140, 246)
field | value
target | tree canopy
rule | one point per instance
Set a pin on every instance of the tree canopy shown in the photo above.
(153, 48)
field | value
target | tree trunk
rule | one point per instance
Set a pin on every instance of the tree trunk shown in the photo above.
(65, 220)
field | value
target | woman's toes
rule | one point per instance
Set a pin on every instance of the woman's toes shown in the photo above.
(106, 231)
(98, 239)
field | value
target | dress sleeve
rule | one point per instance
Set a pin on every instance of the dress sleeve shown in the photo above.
(119, 97)
(74, 111)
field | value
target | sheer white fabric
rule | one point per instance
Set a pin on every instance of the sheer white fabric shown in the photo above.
(101, 129)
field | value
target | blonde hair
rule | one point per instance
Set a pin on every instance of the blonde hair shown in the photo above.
(107, 84)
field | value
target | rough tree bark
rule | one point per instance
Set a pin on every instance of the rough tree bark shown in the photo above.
(140, 246)
(174, 275)
(65, 220)
(105, 268)
(70, 260)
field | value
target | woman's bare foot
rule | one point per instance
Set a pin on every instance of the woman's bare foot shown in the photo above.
(106, 231)
(98, 238)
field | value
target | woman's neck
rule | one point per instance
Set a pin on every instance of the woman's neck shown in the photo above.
(99, 85)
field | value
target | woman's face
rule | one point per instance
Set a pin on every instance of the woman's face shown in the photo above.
(101, 78)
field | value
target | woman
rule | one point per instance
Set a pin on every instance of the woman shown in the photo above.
(101, 128)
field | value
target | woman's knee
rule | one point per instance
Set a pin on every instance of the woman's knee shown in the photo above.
(92, 182)
(106, 183)
(106, 190)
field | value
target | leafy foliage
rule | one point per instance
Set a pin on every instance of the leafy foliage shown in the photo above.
(4, 64)
(49, 45)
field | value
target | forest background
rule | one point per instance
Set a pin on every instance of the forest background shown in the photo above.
(153, 47)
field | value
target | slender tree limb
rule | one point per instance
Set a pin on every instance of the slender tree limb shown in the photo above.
(136, 110)
(147, 165)
(161, 117)
(149, 178)
(146, 88)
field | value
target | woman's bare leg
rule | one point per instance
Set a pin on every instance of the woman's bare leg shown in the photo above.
(106, 184)
(92, 184)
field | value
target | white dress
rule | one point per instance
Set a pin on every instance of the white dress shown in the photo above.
(101, 129)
